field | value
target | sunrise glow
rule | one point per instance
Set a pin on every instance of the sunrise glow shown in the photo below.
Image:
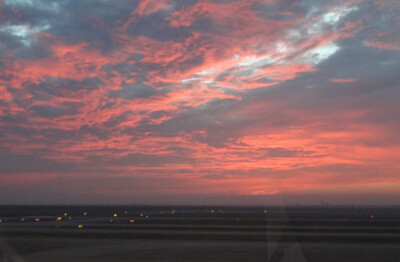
(163, 101)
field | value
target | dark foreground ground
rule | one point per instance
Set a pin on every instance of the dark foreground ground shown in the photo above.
(38, 233)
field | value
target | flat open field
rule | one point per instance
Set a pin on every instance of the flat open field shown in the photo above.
(143, 233)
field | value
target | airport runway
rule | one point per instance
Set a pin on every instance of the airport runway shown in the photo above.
(199, 234)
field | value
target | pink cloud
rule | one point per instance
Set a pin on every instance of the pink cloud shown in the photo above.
(343, 80)
(384, 45)
(221, 114)
(147, 7)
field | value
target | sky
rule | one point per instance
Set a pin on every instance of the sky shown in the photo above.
(199, 102)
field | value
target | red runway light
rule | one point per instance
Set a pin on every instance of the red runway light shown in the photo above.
(37, 219)
(132, 221)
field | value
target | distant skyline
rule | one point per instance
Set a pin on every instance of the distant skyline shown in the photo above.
(199, 102)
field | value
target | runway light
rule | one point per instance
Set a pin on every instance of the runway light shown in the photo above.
(173, 212)
(69, 218)
(141, 214)
(37, 219)
(58, 218)
(372, 216)
(22, 219)
(132, 221)
(65, 214)
(84, 213)
(147, 216)
(115, 215)
(265, 211)
(1, 220)
(126, 212)
(80, 226)
(110, 220)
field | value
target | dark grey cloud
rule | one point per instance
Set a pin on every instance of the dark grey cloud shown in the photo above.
(52, 112)
(134, 91)
(53, 86)
(30, 163)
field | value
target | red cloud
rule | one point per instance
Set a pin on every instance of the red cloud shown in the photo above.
(222, 115)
